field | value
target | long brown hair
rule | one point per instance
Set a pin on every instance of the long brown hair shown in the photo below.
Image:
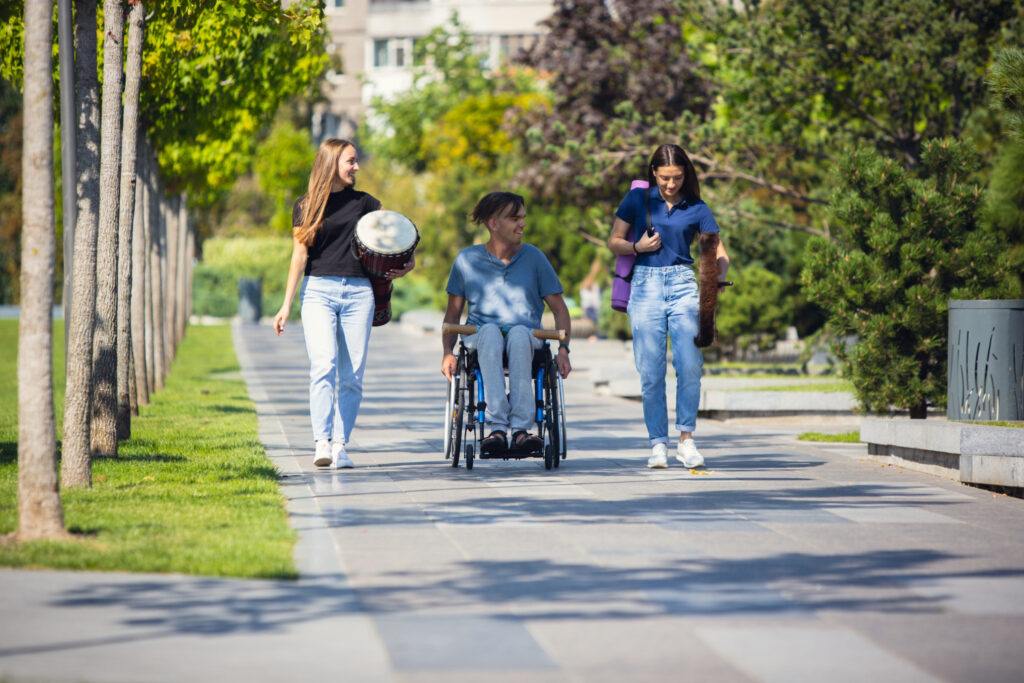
(673, 155)
(325, 169)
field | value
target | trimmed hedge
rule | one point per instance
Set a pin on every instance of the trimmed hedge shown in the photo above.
(228, 259)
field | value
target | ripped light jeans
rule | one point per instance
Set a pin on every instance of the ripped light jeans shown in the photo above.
(663, 303)
(337, 313)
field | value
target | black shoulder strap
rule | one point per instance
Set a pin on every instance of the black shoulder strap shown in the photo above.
(650, 223)
(648, 227)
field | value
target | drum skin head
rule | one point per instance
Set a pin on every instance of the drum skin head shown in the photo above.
(386, 232)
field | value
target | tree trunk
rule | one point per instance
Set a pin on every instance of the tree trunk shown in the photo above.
(104, 351)
(139, 275)
(190, 250)
(76, 468)
(39, 508)
(181, 321)
(129, 138)
(919, 412)
(150, 300)
(156, 227)
(170, 278)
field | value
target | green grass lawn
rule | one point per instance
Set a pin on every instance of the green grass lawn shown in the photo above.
(192, 491)
(842, 437)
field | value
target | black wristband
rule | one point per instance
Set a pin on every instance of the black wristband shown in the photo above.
(563, 345)
(635, 252)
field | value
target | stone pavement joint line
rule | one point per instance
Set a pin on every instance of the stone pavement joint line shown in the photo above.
(787, 561)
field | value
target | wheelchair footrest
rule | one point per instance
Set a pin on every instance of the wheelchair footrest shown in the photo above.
(512, 455)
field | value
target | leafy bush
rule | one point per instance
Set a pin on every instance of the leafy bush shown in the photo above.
(227, 259)
(755, 309)
(903, 246)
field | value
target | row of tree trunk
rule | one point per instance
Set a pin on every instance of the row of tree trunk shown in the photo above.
(132, 267)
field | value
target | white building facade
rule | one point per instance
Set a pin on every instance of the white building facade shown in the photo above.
(371, 45)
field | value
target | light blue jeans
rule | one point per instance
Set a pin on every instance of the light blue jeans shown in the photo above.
(337, 313)
(518, 409)
(663, 303)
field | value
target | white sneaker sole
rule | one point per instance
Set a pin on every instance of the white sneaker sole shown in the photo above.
(344, 465)
(657, 465)
(699, 463)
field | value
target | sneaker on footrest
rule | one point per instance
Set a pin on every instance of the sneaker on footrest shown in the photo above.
(525, 442)
(494, 443)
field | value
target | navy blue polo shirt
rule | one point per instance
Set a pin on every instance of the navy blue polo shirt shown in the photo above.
(678, 227)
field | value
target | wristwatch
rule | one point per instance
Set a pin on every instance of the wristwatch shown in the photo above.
(563, 345)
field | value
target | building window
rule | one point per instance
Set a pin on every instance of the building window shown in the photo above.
(333, 5)
(400, 56)
(380, 53)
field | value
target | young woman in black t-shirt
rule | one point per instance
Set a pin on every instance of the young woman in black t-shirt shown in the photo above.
(337, 299)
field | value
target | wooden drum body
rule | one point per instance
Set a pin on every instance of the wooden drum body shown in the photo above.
(385, 240)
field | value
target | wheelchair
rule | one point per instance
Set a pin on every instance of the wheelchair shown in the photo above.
(464, 411)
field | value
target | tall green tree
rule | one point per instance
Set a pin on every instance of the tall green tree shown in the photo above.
(905, 244)
(40, 514)
(215, 73)
(104, 342)
(617, 71)
(76, 463)
(282, 166)
(1007, 82)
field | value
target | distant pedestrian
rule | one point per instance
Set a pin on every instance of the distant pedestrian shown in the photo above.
(664, 299)
(337, 298)
(590, 296)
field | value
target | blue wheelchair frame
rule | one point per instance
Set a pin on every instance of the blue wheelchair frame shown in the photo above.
(465, 409)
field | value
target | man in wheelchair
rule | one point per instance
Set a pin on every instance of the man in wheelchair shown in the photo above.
(506, 284)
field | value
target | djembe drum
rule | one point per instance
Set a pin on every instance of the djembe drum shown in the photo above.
(385, 240)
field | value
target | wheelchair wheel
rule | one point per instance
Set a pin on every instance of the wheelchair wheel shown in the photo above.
(552, 419)
(449, 421)
(548, 456)
(456, 415)
(563, 449)
(469, 456)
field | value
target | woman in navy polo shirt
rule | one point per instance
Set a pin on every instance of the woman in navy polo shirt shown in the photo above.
(664, 300)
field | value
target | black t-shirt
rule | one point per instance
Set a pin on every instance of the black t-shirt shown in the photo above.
(333, 250)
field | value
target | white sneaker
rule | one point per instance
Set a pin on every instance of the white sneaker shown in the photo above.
(659, 457)
(688, 454)
(323, 453)
(339, 458)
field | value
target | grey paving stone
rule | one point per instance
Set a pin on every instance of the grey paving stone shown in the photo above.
(453, 643)
(786, 561)
(811, 654)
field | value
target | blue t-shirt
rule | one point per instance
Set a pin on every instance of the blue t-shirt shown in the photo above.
(510, 294)
(677, 227)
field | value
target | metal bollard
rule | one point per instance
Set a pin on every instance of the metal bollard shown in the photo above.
(250, 299)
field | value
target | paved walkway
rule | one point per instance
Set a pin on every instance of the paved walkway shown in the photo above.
(785, 561)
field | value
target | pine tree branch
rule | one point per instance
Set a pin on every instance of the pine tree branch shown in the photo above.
(721, 172)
